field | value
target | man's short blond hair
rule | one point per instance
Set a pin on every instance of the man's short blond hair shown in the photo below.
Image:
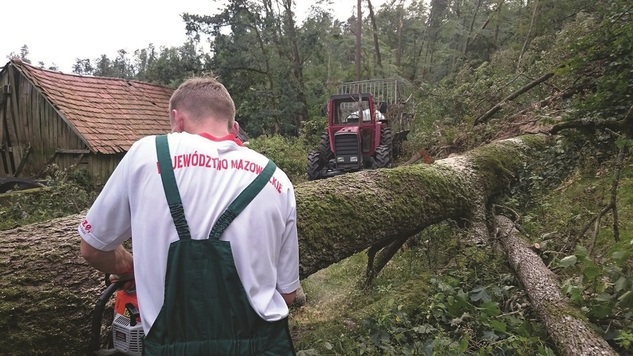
(203, 98)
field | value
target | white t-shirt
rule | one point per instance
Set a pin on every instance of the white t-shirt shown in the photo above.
(210, 174)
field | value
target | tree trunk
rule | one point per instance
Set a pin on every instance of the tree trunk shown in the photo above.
(471, 27)
(564, 324)
(529, 34)
(297, 67)
(499, 9)
(375, 33)
(399, 34)
(359, 30)
(48, 293)
(436, 15)
(341, 216)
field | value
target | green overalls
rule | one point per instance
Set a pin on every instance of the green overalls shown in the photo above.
(206, 310)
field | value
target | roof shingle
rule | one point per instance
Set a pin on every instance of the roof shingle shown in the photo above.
(109, 114)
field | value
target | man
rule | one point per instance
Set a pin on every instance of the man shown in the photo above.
(203, 288)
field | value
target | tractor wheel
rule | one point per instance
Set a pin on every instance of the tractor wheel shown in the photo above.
(383, 156)
(386, 138)
(324, 147)
(315, 166)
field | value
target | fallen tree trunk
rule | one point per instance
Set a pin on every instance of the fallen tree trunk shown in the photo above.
(564, 324)
(341, 216)
(48, 293)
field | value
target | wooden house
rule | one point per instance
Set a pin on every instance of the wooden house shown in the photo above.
(52, 117)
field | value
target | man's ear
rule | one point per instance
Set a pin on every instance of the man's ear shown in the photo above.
(177, 121)
(235, 130)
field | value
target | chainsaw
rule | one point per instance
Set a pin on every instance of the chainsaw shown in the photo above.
(126, 329)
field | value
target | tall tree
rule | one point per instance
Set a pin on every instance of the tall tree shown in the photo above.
(469, 35)
(256, 53)
(244, 59)
(372, 18)
(172, 65)
(297, 64)
(528, 36)
(103, 67)
(359, 30)
(437, 15)
(144, 59)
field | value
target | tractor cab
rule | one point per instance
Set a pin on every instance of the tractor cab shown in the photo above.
(355, 138)
(352, 128)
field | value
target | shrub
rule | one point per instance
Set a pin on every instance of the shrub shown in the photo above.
(289, 153)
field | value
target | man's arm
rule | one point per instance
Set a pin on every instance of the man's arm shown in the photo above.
(118, 261)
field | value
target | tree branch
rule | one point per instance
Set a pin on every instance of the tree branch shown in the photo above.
(513, 96)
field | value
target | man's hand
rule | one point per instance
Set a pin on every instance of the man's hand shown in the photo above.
(128, 279)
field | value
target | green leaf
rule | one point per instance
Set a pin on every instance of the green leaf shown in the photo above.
(490, 308)
(576, 295)
(498, 326)
(604, 297)
(580, 251)
(424, 329)
(626, 299)
(490, 335)
(568, 261)
(620, 256)
(546, 351)
(592, 272)
(602, 310)
(463, 343)
(462, 295)
(480, 293)
(621, 283)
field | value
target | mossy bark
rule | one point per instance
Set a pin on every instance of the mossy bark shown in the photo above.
(344, 215)
(48, 293)
(564, 323)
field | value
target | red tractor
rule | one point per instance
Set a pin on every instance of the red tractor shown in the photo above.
(358, 136)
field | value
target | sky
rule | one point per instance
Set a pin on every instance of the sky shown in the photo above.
(59, 31)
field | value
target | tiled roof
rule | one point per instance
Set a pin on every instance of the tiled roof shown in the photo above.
(108, 113)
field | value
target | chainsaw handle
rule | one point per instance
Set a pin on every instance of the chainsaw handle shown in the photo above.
(97, 315)
(134, 313)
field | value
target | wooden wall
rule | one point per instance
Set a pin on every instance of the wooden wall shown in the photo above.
(37, 132)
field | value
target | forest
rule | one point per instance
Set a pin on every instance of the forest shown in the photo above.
(516, 238)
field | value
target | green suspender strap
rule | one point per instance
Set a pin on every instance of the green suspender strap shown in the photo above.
(242, 200)
(171, 189)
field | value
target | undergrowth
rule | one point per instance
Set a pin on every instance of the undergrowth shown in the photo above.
(289, 154)
(437, 298)
(68, 192)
